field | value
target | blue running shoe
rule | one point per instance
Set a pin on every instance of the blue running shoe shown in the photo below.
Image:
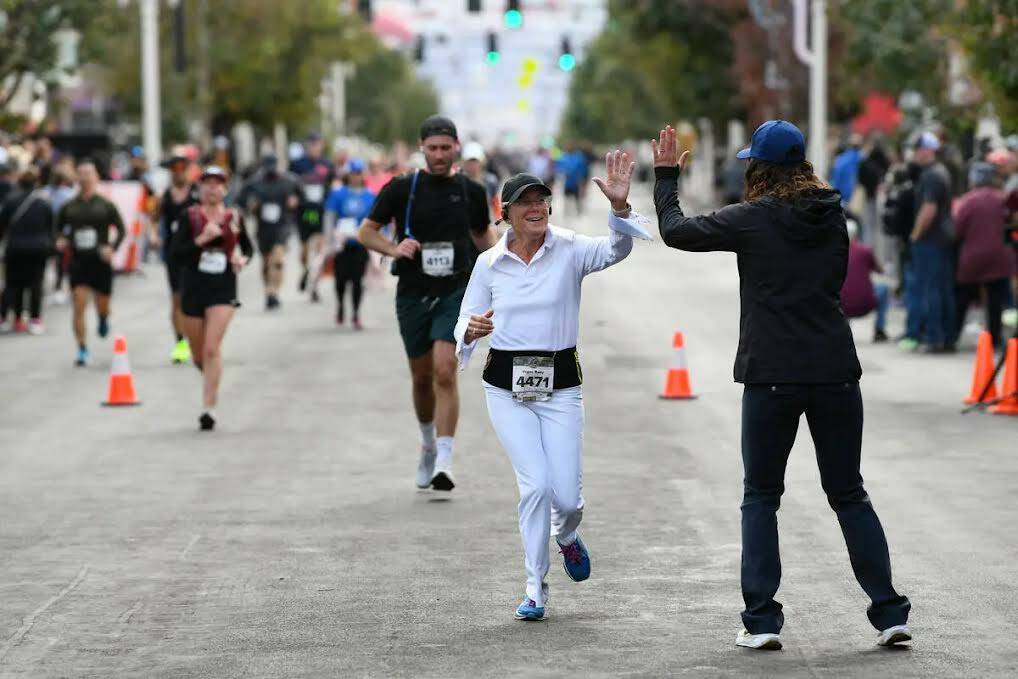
(529, 610)
(82, 359)
(576, 560)
(104, 326)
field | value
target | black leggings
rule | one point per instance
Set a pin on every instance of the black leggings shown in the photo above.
(350, 265)
(996, 295)
(25, 271)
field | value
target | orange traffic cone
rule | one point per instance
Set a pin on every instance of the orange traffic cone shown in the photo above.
(121, 388)
(677, 382)
(982, 372)
(1008, 405)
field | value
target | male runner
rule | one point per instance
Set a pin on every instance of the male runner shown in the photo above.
(84, 225)
(438, 216)
(272, 196)
(316, 175)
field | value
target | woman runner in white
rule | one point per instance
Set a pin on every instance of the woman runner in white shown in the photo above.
(525, 293)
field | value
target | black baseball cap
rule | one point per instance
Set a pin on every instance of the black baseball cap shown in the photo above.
(438, 125)
(517, 184)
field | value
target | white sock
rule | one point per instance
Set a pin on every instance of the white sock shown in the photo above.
(428, 434)
(566, 540)
(444, 449)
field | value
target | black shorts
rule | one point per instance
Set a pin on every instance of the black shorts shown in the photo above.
(199, 291)
(572, 191)
(425, 320)
(91, 272)
(269, 236)
(172, 273)
(310, 223)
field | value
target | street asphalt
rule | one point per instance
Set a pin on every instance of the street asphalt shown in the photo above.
(291, 542)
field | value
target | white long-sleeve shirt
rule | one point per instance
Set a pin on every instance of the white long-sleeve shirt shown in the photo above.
(536, 305)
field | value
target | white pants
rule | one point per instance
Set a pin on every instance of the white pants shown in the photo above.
(544, 440)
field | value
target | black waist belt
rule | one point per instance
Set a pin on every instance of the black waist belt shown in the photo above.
(498, 368)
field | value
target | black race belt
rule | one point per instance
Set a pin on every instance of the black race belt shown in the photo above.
(498, 368)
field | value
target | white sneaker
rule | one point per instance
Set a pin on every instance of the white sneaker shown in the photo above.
(426, 467)
(760, 642)
(894, 635)
(59, 297)
(35, 327)
(442, 479)
(6, 327)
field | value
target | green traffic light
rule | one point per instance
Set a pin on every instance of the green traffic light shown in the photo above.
(493, 57)
(567, 62)
(513, 18)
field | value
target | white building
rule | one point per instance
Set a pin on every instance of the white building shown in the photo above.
(520, 98)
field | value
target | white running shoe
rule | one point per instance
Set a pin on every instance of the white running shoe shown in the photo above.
(894, 635)
(426, 467)
(759, 642)
(442, 479)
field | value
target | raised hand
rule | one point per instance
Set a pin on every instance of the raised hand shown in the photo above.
(666, 149)
(618, 174)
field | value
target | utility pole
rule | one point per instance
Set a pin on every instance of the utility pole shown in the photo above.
(150, 103)
(816, 59)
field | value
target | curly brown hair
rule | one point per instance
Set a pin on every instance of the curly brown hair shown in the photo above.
(783, 182)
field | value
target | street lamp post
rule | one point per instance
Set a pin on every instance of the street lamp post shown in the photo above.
(151, 113)
(816, 59)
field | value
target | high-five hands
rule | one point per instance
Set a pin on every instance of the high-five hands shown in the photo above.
(479, 326)
(618, 173)
(666, 150)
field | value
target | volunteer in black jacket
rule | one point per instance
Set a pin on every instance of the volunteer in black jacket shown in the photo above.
(26, 220)
(796, 355)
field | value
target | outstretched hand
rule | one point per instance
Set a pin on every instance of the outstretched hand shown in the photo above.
(666, 150)
(618, 174)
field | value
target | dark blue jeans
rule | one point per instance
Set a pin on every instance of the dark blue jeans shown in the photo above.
(770, 419)
(931, 319)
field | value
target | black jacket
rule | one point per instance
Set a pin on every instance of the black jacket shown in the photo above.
(792, 262)
(34, 231)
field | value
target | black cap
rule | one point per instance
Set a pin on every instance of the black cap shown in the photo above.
(176, 158)
(438, 125)
(517, 184)
(313, 136)
(214, 172)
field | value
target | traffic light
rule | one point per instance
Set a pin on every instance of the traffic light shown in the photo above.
(474, 6)
(513, 14)
(493, 56)
(567, 61)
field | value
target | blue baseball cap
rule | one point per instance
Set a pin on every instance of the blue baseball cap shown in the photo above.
(776, 141)
(355, 165)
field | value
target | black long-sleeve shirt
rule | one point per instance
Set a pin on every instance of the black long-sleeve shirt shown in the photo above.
(792, 261)
(86, 224)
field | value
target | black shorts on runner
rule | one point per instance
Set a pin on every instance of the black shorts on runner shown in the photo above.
(309, 224)
(271, 236)
(425, 320)
(173, 275)
(199, 291)
(91, 272)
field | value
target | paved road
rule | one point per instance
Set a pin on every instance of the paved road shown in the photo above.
(292, 542)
